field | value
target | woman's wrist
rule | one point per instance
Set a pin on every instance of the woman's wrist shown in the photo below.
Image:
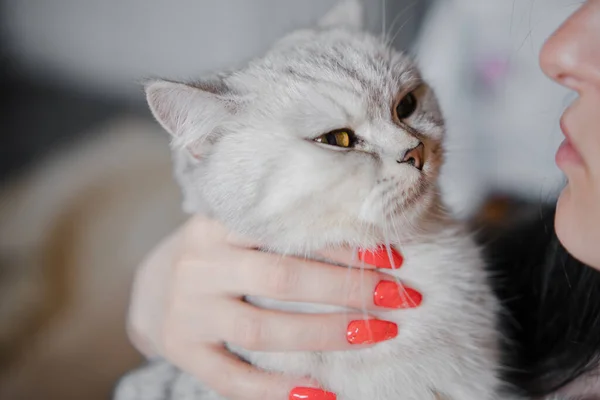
(149, 296)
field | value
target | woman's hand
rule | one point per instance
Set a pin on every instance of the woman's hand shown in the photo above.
(187, 301)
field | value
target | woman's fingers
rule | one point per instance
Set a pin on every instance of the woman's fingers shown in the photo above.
(187, 302)
(294, 279)
(254, 328)
(235, 379)
(384, 257)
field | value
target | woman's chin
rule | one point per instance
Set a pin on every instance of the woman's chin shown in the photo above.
(565, 220)
(570, 225)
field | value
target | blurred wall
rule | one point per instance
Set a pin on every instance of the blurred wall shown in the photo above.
(107, 46)
(502, 112)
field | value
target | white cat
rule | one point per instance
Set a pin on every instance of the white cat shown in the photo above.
(332, 138)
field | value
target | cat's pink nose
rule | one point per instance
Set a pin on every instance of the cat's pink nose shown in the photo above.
(414, 157)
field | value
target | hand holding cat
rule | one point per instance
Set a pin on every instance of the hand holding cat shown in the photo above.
(188, 300)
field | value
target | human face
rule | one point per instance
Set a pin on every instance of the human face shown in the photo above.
(571, 57)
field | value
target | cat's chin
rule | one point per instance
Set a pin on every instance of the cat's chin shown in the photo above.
(355, 236)
(314, 245)
(311, 237)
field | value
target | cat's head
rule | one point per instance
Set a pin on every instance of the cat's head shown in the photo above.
(331, 137)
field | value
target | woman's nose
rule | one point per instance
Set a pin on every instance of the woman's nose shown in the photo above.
(571, 56)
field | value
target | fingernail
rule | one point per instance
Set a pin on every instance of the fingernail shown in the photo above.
(311, 394)
(379, 257)
(370, 331)
(393, 295)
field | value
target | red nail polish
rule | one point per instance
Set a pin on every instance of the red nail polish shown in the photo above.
(393, 295)
(370, 331)
(307, 393)
(379, 257)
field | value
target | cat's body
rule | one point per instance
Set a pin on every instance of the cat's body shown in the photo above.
(446, 346)
(448, 338)
(257, 149)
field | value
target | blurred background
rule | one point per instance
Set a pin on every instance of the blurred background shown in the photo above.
(85, 173)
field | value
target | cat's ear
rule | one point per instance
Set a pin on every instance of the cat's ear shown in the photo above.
(345, 14)
(191, 114)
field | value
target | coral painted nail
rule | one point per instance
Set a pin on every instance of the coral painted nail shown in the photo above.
(379, 257)
(307, 393)
(393, 295)
(370, 331)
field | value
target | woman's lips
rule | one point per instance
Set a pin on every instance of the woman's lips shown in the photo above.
(567, 153)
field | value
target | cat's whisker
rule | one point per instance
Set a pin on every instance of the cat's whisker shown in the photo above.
(388, 244)
(387, 239)
(383, 18)
(395, 228)
(365, 313)
(364, 310)
(401, 27)
(400, 211)
(349, 269)
(395, 20)
(396, 279)
(389, 41)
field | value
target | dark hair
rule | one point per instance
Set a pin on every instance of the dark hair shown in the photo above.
(551, 318)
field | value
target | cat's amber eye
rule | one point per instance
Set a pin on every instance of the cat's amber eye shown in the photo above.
(339, 138)
(406, 106)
